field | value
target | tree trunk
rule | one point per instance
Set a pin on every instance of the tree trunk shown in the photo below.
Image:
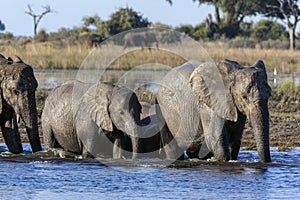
(217, 15)
(35, 30)
(292, 38)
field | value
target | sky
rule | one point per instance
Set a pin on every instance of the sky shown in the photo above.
(68, 13)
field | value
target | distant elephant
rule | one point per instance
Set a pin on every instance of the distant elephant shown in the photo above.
(214, 120)
(140, 39)
(17, 102)
(94, 123)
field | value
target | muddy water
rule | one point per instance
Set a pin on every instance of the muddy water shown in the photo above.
(47, 176)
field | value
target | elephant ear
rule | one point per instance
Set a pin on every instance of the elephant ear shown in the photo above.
(212, 85)
(96, 102)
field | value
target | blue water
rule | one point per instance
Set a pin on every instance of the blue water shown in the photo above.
(46, 176)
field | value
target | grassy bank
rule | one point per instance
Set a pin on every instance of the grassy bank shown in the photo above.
(48, 55)
(58, 56)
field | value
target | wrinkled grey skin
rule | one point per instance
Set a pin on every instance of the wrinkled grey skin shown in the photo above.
(222, 116)
(150, 136)
(96, 123)
(178, 118)
(17, 102)
(140, 39)
(151, 140)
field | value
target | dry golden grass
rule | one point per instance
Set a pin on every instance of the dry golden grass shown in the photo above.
(54, 56)
(285, 61)
(140, 57)
(48, 55)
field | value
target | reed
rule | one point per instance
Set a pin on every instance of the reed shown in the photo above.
(285, 61)
(48, 55)
(51, 55)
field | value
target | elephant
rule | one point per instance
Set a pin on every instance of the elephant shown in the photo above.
(151, 141)
(142, 39)
(18, 104)
(207, 105)
(95, 122)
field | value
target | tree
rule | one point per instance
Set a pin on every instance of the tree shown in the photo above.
(267, 29)
(37, 17)
(286, 10)
(186, 29)
(95, 25)
(2, 26)
(233, 12)
(125, 19)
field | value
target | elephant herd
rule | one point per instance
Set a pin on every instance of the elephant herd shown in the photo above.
(200, 112)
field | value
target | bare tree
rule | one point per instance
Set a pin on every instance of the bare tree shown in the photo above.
(37, 17)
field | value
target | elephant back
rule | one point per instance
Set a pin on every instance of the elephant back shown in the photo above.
(178, 104)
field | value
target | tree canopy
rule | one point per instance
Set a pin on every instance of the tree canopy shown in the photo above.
(2, 26)
(125, 19)
(235, 11)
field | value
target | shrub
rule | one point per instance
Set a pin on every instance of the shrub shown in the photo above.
(288, 87)
(240, 42)
(267, 29)
(275, 44)
(42, 36)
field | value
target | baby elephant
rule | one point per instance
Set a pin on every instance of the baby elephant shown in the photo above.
(91, 119)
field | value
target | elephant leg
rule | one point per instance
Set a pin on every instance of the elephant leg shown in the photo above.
(117, 149)
(12, 137)
(216, 136)
(85, 153)
(170, 146)
(48, 136)
(235, 132)
(204, 152)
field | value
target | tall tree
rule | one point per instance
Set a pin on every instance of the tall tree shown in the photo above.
(233, 12)
(2, 26)
(125, 19)
(37, 17)
(286, 10)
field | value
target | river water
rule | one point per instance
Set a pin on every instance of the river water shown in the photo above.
(52, 78)
(46, 176)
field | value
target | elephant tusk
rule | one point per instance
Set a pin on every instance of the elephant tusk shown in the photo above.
(18, 118)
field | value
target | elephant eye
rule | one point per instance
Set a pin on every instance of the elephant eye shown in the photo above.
(16, 92)
(121, 113)
(249, 88)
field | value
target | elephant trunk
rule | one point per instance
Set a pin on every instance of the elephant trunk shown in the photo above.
(135, 135)
(136, 142)
(259, 118)
(29, 117)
